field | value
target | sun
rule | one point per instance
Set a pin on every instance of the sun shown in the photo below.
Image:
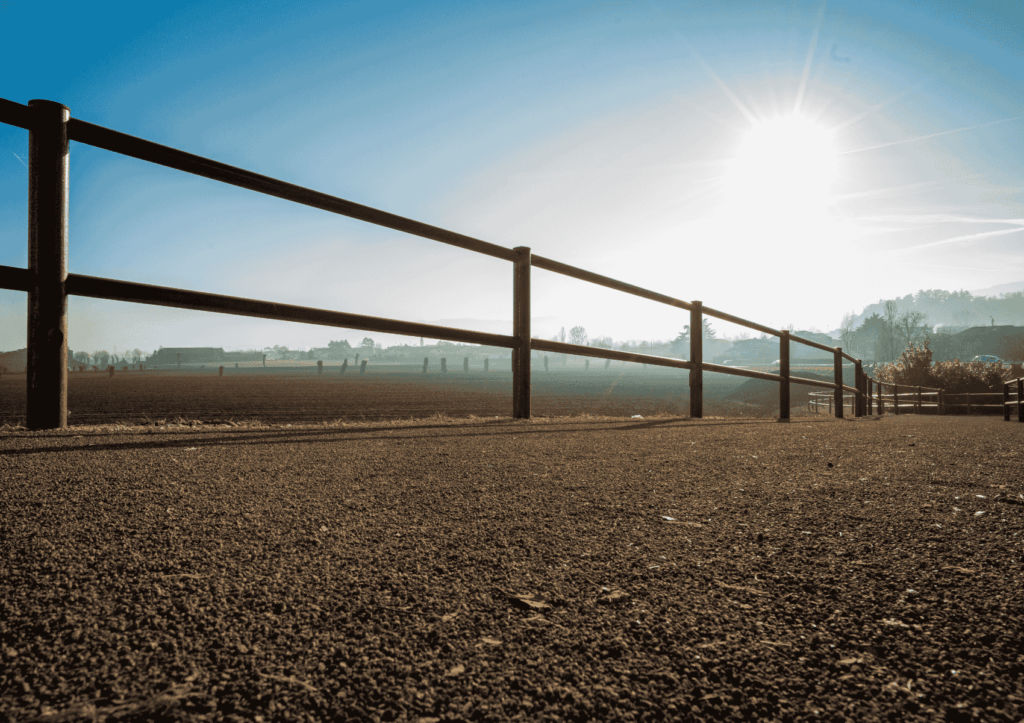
(783, 166)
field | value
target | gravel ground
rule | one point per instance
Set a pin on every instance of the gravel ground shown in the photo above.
(554, 569)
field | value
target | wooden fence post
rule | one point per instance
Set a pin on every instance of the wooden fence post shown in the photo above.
(426, 361)
(697, 359)
(784, 372)
(465, 364)
(47, 364)
(920, 401)
(869, 388)
(969, 410)
(521, 331)
(444, 365)
(1020, 400)
(837, 375)
(319, 367)
(545, 362)
(860, 384)
(942, 401)
(896, 399)
(221, 372)
(362, 367)
(1006, 401)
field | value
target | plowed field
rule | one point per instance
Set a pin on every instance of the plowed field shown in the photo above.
(300, 395)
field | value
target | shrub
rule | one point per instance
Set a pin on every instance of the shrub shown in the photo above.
(915, 368)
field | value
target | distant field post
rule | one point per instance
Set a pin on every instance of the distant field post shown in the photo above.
(47, 367)
(319, 367)
(487, 363)
(896, 399)
(444, 365)
(465, 364)
(942, 401)
(697, 359)
(221, 371)
(362, 367)
(110, 371)
(1006, 401)
(784, 372)
(586, 365)
(837, 368)
(920, 401)
(264, 360)
(426, 362)
(546, 366)
(521, 331)
(344, 366)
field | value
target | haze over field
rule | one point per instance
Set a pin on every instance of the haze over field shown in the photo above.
(788, 163)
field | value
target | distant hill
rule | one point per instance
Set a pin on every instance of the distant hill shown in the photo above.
(998, 289)
(957, 308)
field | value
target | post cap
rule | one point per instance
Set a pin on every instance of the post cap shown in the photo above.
(39, 102)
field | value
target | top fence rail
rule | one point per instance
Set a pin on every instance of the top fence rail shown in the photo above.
(48, 282)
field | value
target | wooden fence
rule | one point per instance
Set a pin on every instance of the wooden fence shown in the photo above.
(48, 283)
(903, 398)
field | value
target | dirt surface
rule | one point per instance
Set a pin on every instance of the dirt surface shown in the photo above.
(383, 393)
(554, 569)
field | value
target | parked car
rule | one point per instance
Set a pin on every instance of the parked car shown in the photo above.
(987, 358)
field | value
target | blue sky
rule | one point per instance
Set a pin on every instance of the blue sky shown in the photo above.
(786, 162)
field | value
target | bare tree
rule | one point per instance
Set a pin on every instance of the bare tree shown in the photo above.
(578, 335)
(910, 327)
(101, 359)
(848, 332)
(887, 344)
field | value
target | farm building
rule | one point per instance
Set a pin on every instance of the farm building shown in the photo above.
(188, 355)
(16, 362)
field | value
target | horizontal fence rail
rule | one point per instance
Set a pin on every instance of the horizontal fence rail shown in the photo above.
(48, 282)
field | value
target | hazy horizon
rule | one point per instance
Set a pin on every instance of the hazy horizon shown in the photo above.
(784, 164)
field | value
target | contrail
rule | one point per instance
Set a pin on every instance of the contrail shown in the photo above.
(875, 108)
(19, 158)
(931, 135)
(968, 237)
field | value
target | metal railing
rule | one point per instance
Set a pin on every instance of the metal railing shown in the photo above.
(48, 282)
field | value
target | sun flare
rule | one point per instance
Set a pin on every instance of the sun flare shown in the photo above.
(784, 165)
